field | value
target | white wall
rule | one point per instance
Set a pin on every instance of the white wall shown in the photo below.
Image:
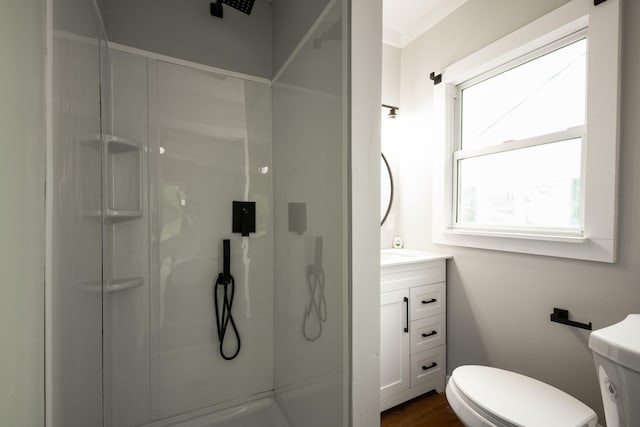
(499, 303)
(186, 30)
(75, 16)
(391, 135)
(22, 213)
(291, 21)
(391, 75)
(257, 45)
(102, 6)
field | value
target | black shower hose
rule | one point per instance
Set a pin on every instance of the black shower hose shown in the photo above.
(227, 286)
(317, 301)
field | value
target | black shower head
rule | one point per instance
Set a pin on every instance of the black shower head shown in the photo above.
(241, 5)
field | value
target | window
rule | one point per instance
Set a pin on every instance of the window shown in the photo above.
(517, 160)
(528, 127)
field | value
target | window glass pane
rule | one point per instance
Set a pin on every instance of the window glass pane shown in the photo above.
(530, 187)
(541, 96)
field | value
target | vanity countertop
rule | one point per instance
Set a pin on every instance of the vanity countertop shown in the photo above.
(389, 257)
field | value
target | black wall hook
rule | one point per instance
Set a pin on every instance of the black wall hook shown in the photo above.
(561, 315)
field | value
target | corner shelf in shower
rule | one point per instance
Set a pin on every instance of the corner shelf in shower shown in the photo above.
(122, 284)
(123, 158)
(123, 178)
(122, 215)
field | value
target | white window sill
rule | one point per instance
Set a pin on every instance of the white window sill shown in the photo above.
(563, 246)
(548, 237)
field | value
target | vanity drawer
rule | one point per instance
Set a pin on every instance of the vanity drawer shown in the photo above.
(427, 300)
(428, 333)
(428, 365)
(405, 276)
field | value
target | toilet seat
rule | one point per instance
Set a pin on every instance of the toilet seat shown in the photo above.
(491, 397)
(470, 414)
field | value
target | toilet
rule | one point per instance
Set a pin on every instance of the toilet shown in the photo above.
(482, 396)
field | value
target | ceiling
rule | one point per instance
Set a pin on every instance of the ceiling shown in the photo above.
(405, 20)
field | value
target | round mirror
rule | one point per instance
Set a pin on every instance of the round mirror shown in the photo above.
(386, 189)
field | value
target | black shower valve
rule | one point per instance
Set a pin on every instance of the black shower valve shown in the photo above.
(244, 217)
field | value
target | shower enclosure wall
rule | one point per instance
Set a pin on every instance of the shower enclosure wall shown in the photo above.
(149, 152)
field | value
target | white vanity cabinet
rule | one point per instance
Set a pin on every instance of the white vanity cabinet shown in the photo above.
(412, 325)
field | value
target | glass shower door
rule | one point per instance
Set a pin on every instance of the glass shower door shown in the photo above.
(210, 145)
(311, 228)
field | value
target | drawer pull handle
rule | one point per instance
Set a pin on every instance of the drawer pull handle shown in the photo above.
(433, 365)
(406, 301)
(432, 300)
(429, 334)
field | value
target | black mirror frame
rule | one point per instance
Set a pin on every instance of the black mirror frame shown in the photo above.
(384, 218)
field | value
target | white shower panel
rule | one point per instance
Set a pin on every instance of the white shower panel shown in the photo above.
(210, 144)
(75, 190)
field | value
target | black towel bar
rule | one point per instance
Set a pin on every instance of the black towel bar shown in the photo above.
(560, 315)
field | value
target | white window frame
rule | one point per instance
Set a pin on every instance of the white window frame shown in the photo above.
(597, 240)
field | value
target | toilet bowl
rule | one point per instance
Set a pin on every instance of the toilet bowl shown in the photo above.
(482, 396)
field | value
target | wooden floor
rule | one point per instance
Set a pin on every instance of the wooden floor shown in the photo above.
(428, 410)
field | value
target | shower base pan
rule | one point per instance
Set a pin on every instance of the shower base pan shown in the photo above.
(260, 411)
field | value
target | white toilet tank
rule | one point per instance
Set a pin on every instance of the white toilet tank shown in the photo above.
(616, 351)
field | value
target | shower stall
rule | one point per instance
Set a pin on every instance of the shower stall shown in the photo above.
(149, 157)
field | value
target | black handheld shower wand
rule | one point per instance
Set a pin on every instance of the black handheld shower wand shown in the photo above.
(223, 292)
